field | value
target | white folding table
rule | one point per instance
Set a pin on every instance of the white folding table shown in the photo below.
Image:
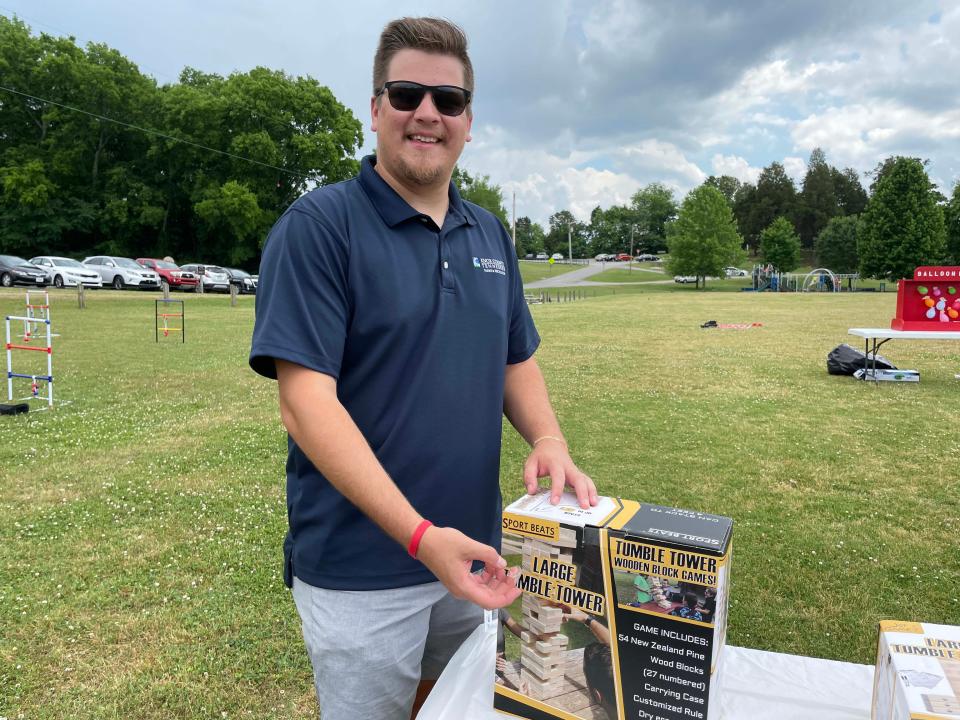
(875, 337)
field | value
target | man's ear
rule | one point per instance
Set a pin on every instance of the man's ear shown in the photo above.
(374, 113)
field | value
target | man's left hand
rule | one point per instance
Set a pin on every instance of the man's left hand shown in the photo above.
(550, 458)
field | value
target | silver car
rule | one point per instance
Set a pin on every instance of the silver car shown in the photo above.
(214, 278)
(64, 272)
(121, 272)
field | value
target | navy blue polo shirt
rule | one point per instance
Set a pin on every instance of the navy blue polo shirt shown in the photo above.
(417, 324)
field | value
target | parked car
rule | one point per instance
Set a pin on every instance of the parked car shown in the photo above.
(735, 272)
(557, 256)
(121, 272)
(215, 278)
(542, 256)
(683, 279)
(528, 256)
(17, 271)
(65, 272)
(245, 282)
(647, 257)
(604, 257)
(171, 274)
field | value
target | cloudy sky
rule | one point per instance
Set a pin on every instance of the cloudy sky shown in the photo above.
(579, 103)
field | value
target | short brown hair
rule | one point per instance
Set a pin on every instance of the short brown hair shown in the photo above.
(432, 35)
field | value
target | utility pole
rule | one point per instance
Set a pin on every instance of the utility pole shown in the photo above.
(570, 241)
(632, 228)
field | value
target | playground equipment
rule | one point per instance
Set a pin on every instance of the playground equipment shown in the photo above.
(34, 379)
(767, 277)
(166, 318)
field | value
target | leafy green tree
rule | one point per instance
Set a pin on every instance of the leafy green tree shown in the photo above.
(836, 245)
(530, 237)
(728, 185)
(951, 216)
(704, 238)
(609, 231)
(780, 245)
(903, 226)
(756, 208)
(817, 202)
(557, 239)
(653, 207)
(851, 197)
(75, 182)
(480, 191)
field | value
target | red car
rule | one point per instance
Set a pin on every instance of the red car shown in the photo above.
(623, 257)
(171, 274)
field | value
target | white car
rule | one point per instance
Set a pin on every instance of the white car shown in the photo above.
(557, 256)
(64, 272)
(542, 256)
(683, 279)
(734, 272)
(121, 272)
(214, 278)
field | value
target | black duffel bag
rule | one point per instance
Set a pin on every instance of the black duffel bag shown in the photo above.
(846, 360)
(13, 409)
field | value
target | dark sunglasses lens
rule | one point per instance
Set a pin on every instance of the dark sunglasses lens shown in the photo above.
(450, 101)
(405, 97)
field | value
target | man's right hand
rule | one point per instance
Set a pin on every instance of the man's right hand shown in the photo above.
(449, 555)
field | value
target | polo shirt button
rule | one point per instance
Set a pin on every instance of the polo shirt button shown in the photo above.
(445, 265)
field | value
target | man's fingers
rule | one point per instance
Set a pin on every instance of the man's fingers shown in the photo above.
(582, 486)
(558, 479)
(530, 475)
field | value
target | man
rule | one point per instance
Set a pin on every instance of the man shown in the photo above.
(392, 315)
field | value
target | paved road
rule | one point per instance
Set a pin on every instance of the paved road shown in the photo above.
(578, 277)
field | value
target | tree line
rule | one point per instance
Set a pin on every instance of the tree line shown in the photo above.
(902, 222)
(96, 157)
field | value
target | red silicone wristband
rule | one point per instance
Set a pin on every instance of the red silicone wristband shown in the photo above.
(417, 536)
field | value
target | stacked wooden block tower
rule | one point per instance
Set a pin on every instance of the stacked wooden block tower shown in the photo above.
(542, 644)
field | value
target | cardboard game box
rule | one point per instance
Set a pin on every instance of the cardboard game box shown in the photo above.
(918, 672)
(623, 612)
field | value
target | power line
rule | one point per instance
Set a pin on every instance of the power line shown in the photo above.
(157, 133)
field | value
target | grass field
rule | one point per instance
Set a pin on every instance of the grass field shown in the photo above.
(531, 271)
(140, 525)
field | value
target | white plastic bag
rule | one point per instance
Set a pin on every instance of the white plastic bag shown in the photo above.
(465, 688)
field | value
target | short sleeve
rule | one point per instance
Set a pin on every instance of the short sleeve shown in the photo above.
(303, 300)
(524, 339)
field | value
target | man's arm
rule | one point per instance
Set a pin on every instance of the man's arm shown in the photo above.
(324, 430)
(527, 406)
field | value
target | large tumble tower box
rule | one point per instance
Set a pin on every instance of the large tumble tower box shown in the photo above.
(918, 672)
(623, 612)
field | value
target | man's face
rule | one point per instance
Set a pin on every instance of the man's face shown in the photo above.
(420, 147)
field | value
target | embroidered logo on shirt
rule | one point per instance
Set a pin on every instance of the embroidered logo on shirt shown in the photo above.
(490, 265)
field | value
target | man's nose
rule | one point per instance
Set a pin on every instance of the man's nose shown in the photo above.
(427, 110)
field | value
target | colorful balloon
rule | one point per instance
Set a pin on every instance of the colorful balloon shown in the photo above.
(953, 314)
(952, 290)
(922, 289)
(936, 292)
(929, 302)
(931, 313)
(941, 304)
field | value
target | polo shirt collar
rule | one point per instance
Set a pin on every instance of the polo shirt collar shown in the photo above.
(392, 208)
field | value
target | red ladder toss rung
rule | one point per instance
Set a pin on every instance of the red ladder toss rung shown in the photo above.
(39, 307)
(11, 346)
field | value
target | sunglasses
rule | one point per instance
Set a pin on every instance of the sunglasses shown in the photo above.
(405, 95)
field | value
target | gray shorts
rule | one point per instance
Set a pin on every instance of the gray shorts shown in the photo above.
(371, 648)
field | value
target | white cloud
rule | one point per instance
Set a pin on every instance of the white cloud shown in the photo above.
(735, 166)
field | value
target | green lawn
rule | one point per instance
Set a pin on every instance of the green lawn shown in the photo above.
(531, 271)
(140, 525)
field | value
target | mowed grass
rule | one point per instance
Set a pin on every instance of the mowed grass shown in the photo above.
(140, 525)
(531, 270)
